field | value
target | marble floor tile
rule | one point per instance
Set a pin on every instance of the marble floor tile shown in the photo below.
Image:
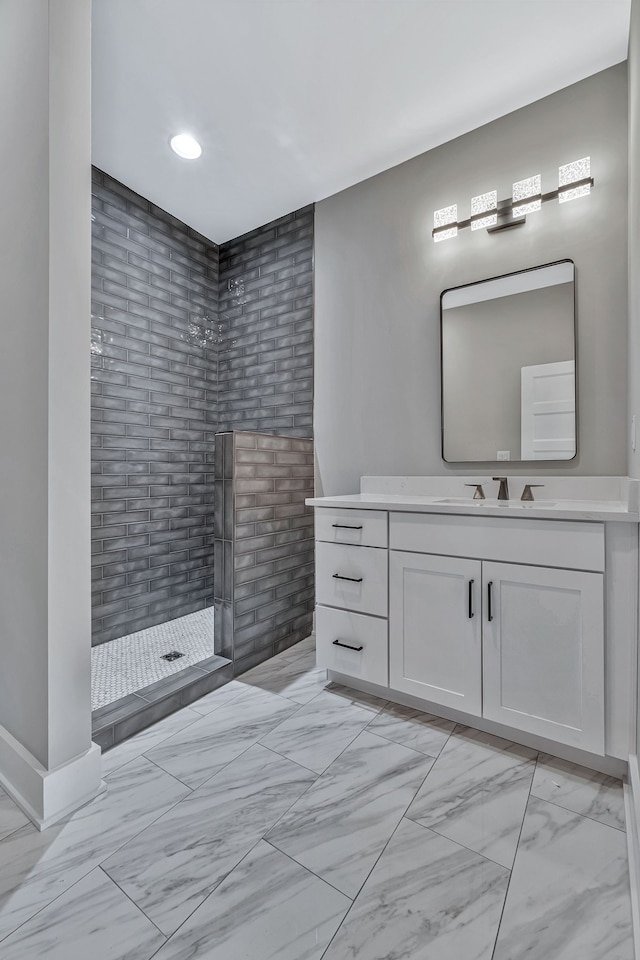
(427, 898)
(11, 816)
(477, 792)
(173, 865)
(268, 908)
(197, 753)
(150, 737)
(319, 731)
(340, 826)
(217, 698)
(93, 920)
(294, 679)
(412, 728)
(36, 867)
(569, 896)
(580, 790)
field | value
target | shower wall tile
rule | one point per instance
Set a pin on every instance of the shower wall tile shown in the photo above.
(159, 396)
(264, 601)
(266, 310)
(154, 413)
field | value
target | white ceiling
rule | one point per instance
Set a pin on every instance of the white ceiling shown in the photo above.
(294, 100)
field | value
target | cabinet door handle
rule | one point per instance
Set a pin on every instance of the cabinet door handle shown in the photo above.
(346, 526)
(347, 646)
(338, 576)
(490, 601)
(471, 583)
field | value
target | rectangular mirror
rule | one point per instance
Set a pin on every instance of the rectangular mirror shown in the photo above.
(508, 367)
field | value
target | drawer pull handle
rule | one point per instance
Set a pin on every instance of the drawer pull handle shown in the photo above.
(471, 583)
(347, 646)
(338, 576)
(489, 601)
(346, 526)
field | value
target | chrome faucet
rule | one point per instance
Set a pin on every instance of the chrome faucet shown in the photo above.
(478, 492)
(503, 492)
(527, 493)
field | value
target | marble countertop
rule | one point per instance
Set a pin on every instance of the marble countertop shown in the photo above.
(558, 509)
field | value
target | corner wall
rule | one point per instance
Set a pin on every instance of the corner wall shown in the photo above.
(378, 279)
(47, 762)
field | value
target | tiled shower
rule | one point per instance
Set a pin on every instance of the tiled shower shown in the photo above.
(188, 339)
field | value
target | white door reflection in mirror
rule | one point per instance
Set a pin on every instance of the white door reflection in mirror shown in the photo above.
(548, 411)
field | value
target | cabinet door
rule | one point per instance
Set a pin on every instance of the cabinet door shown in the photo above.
(543, 652)
(435, 624)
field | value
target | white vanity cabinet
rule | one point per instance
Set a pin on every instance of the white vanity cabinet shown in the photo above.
(519, 618)
(543, 652)
(519, 643)
(352, 593)
(435, 642)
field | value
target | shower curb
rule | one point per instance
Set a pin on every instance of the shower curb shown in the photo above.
(123, 718)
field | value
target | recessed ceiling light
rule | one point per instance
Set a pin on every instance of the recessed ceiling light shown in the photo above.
(186, 146)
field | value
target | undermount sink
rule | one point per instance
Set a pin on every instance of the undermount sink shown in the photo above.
(518, 504)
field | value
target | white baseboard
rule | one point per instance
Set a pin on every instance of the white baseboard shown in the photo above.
(46, 796)
(632, 817)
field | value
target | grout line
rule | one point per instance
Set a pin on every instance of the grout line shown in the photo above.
(399, 743)
(483, 856)
(308, 870)
(422, 757)
(132, 901)
(209, 895)
(583, 816)
(295, 762)
(243, 751)
(515, 857)
(157, 765)
(341, 924)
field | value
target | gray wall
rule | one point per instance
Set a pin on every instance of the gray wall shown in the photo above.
(266, 314)
(484, 346)
(154, 393)
(378, 278)
(44, 387)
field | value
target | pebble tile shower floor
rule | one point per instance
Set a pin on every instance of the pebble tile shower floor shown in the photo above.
(283, 817)
(123, 666)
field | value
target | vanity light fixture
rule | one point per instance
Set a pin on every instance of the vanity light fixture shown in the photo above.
(484, 210)
(527, 196)
(444, 223)
(185, 146)
(574, 180)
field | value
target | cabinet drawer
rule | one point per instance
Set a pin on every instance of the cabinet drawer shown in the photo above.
(367, 528)
(354, 578)
(369, 661)
(571, 544)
